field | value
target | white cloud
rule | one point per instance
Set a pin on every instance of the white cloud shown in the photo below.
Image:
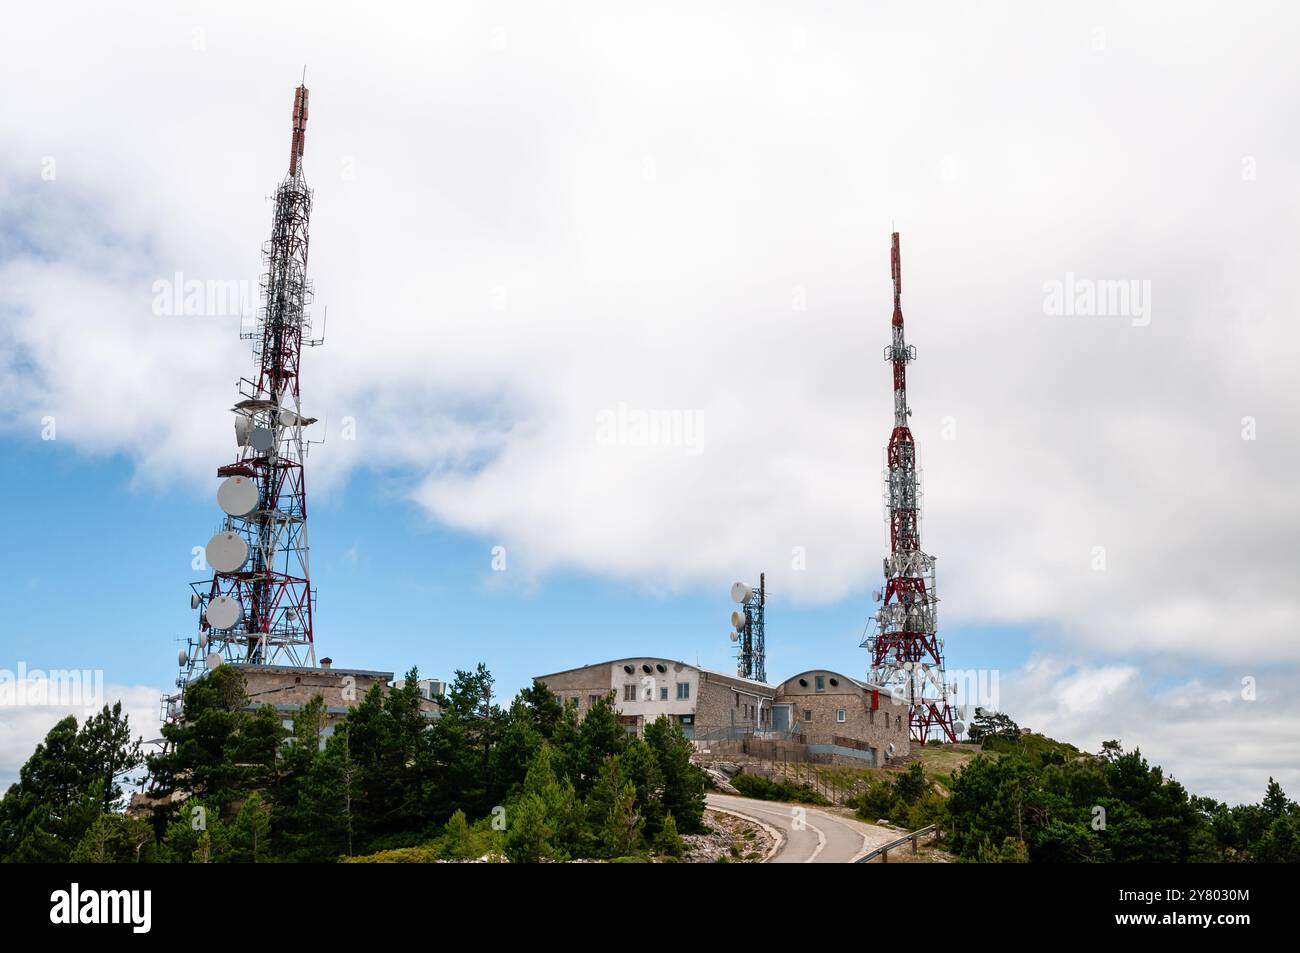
(32, 705)
(1209, 733)
(524, 219)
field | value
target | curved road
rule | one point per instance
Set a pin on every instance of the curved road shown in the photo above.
(809, 835)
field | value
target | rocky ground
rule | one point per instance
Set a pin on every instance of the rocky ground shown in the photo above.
(730, 839)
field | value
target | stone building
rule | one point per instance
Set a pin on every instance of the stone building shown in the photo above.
(287, 688)
(706, 704)
(830, 713)
(840, 715)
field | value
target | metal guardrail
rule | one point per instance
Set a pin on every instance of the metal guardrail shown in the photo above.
(883, 851)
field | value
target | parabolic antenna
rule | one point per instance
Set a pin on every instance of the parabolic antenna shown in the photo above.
(194, 600)
(237, 496)
(223, 612)
(182, 657)
(226, 552)
(958, 727)
(261, 439)
(243, 426)
(738, 620)
(213, 660)
(735, 636)
(739, 592)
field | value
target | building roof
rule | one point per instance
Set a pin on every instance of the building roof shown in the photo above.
(308, 670)
(867, 686)
(747, 682)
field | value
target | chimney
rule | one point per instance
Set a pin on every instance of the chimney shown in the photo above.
(326, 662)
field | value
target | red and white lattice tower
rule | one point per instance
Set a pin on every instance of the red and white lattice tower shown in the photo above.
(902, 636)
(257, 606)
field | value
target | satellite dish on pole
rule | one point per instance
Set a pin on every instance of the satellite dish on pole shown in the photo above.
(226, 552)
(735, 636)
(958, 727)
(739, 593)
(243, 426)
(213, 660)
(237, 496)
(223, 612)
(194, 600)
(182, 657)
(738, 619)
(261, 439)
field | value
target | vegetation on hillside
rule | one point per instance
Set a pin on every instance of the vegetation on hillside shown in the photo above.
(1034, 799)
(531, 782)
(528, 782)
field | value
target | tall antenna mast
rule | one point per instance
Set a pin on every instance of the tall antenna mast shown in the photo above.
(750, 626)
(257, 606)
(902, 637)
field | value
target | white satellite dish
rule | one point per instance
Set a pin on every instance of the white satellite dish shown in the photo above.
(226, 552)
(203, 641)
(194, 600)
(738, 620)
(182, 657)
(213, 660)
(739, 592)
(291, 614)
(875, 596)
(223, 612)
(735, 636)
(958, 727)
(237, 495)
(261, 439)
(243, 425)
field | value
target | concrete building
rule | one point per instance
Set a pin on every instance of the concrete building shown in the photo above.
(706, 704)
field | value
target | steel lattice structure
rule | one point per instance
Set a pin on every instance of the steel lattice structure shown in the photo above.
(902, 637)
(270, 588)
(751, 635)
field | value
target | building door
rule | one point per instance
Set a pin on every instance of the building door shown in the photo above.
(781, 718)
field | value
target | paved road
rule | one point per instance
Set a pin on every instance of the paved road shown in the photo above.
(810, 835)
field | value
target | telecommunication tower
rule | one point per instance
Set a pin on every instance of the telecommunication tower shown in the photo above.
(748, 629)
(902, 635)
(257, 606)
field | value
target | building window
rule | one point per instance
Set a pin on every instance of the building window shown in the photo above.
(898, 722)
(821, 683)
(663, 694)
(839, 714)
(807, 714)
(649, 693)
(629, 693)
(591, 700)
(736, 696)
(683, 691)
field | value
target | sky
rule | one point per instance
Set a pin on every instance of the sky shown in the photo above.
(534, 228)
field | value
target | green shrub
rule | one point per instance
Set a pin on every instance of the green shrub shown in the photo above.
(766, 789)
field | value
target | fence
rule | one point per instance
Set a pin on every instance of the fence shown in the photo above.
(912, 838)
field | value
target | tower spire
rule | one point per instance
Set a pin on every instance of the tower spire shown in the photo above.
(299, 127)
